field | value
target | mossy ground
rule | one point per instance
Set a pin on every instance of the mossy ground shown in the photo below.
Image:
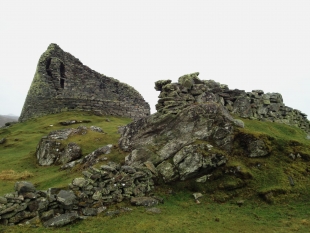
(271, 203)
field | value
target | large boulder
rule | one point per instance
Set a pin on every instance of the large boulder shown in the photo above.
(166, 140)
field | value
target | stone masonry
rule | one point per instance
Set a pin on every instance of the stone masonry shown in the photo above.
(85, 196)
(253, 105)
(63, 83)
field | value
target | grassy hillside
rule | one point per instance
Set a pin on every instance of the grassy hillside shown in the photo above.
(17, 155)
(271, 203)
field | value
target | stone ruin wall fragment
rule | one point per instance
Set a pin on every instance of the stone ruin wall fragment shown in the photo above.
(63, 83)
(253, 105)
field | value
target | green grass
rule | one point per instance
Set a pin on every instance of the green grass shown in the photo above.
(180, 213)
(286, 208)
(18, 152)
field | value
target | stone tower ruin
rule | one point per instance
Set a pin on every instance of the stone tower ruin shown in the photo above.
(63, 83)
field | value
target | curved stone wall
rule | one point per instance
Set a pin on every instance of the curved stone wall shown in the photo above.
(63, 83)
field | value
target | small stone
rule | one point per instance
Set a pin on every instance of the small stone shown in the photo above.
(202, 179)
(239, 123)
(3, 140)
(96, 129)
(197, 195)
(3, 200)
(153, 210)
(240, 203)
(143, 201)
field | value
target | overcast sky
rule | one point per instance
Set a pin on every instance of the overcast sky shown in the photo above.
(261, 44)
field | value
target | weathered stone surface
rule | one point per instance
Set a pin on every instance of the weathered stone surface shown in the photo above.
(47, 152)
(90, 211)
(62, 220)
(3, 200)
(23, 187)
(239, 123)
(96, 129)
(2, 140)
(80, 182)
(72, 152)
(176, 131)
(143, 201)
(66, 198)
(257, 148)
(242, 107)
(153, 210)
(63, 83)
(167, 171)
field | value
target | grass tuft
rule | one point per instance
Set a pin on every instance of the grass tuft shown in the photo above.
(13, 175)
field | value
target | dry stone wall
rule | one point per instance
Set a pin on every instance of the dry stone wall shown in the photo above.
(63, 83)
(254, 105)
(85, 196)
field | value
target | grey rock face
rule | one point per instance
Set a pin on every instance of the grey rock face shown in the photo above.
(257, 148)
(66, 198)
(168, 171)
(62, 220)
(72, 152)
(173, 134)
(144, 201)
(24, 187)
(47, 152)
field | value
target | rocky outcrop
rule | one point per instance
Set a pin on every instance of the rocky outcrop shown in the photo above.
(85, 196)
(51, 149)
(181, 142)
(191, 90)
(193, 130)
(63, 83)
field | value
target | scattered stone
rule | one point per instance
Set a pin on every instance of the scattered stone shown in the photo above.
(202, 179)
(143, 201)
(240, 203)
(239, 123)
(292, 156)
(2, 141)
(197, 195)
(153, 210)
(96, 129)
(290, 179)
